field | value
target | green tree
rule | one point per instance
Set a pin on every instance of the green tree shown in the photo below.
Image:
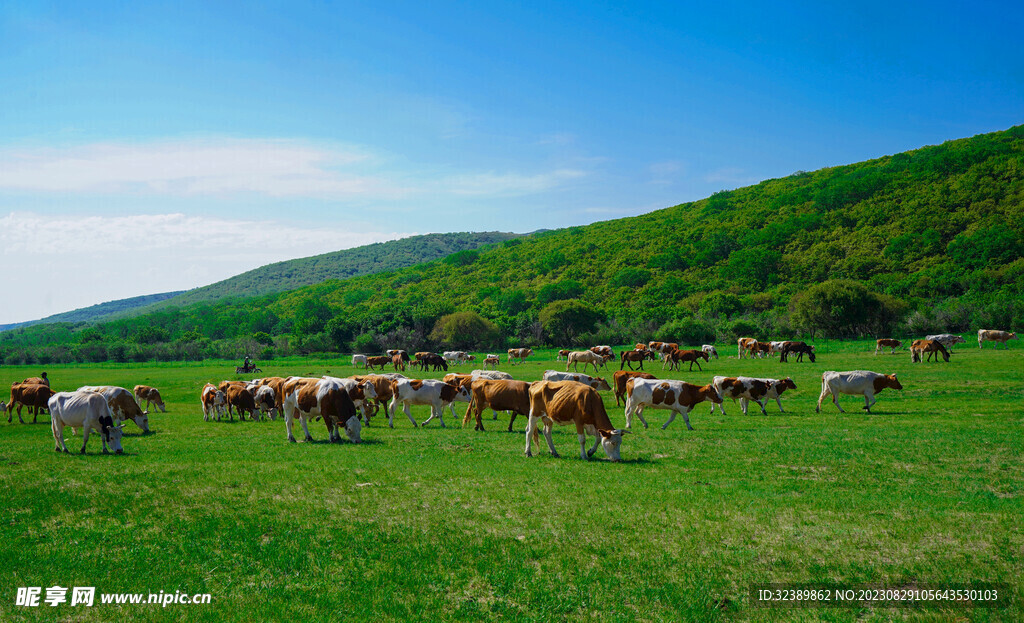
(311, 317)
(565, 320)
(465, 329)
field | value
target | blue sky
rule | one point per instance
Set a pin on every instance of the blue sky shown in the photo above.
(147, 148)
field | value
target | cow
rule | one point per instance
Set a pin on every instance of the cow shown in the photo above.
(377, 362)
(492, 362)
(398, 351)
(584, 356)
(673, 359)
(565, 402)
(518, 353)
(855, 382)
(991, 335)
(35, 396)
(150, 395)
(946, 339)
(594, 382)
(459, 380)
(744, 388)
(677, 396)
(382, 394)
(663, 348)
(933, 347)
(510, 396)
(88, 411)
(775, 389)
(562, 355)
(437, 362)
(358, 359)
(122, 404)
(605, 351)
(775, 347)
(325, 397)
(743, 345)
(213, 401)
(629, 356)
(242, 400)
(399, 362)
(494, 375)
(619, 382)
(800, 348)
(710, 350)
(38, 380)
(437, 394)
(884, 343)
(266, 401)
(276, 383)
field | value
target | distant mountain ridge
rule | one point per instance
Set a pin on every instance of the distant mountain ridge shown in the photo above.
(100, 311)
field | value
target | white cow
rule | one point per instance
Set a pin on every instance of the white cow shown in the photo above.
(993, 335)
(86, 410)
(677, 396)
(494, 375)
(596, 382)
(214, 402)
(436, 394)
(710, 350)
(358, 359)
(855, 382)
(585, 357)
(266, 401)
(946, 339)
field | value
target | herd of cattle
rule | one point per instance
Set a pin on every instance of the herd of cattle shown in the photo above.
(345, 404)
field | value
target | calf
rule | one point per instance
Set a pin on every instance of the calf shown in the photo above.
(436, 361)
(673, 359)
(150, 395)
(594, 382)
(932, 347)
(855, 382)
(619, 382)
(213, 401)
(677, 396)
(991, 335)
(800, 348)
(509, 396)
(491, 362)
(562, 355)
(566, 402)
(884, 343)
(629, 356)
(584, 356)
(518, 353)
(437, 394)
(377, 362)
(88, 411)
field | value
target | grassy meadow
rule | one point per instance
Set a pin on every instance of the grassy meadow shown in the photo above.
(451, 524)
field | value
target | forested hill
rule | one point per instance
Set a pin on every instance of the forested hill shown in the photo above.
(924, 241)
(364, 260)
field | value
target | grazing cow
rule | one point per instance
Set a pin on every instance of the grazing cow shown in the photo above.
(494, 375)
(887, 343)
(991, 335)
(855, 382)
(358, 359)
(562, 355)
(510, 396)
(492, 362)
(266, 401)
(677, 396)
(800, 348)
(584, 356)
(327, 398)
(673, 359)
(564, 402)
(710, 350)
(242, 400)
(605, 351)
(88, 411)
(518, 353)
(663, 348)
(437, 362)
(932, 347)
(594, 382)
(437, 394)
(214, 402)
(762, 349)
(277, 384)
(744, 388)
(629, 356)
(399, 362)
(743, 345)
(122, 404)
(35, 396)
(946, 339)
(150, 395)
(619, 382)
(377, 362)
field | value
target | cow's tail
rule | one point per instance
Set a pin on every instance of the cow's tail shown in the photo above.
(469, 408)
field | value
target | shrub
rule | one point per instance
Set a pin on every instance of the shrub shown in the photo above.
(689, 331)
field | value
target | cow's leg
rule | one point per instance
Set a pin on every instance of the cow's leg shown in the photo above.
(824, 392)
(582, 435)
(57, 426)
(495, 414)
(686, 418)
(433, 414)
(531, 429)
(835, 400)
(547, 435)
(744, 403)
(778, 401)
(86, 429)
(405, 408)
(304, 421)
(761, 404)
(869, 400)
(721, 407)
(289, 422)
(391, 414)
(514, 414)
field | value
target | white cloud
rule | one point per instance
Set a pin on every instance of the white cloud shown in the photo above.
(507, 184)
(81, 261)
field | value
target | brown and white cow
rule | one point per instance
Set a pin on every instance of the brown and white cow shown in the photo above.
(991, 335)
(491, 362)
(663, 348)
(381, 388)
(710, 350)
(889, 343)
(562, 355)
(122, 404)
(436, 394)
(619, 379)
(800, 348)
(509, 396)
(568, 402)
(518, 353)
(328, 398)
(604, 350)
(214, 402)
(677, 396)
(745, 389)
(150, 395)
(933, 347)
(745, 345)
(855, 382)
(595, 382)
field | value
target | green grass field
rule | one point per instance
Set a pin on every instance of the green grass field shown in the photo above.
(452, 524)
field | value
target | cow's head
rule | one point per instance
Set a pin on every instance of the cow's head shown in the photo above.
(142, 421)
(611, 441)
(892, 381)
(810, 354)
(784, 384)
(354, 428)
(369, 391)
(600, 384)
(710, 392)
(112, 434)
